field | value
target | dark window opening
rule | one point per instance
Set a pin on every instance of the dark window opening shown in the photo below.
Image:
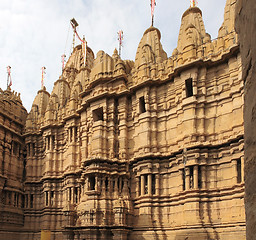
(122, 184)
(97, 114)
(46, 198)
(26, 201)
(239, 171)
(70, 134)
(53, 142)
(15, 148)
(91, 183)
(146, 183)
(76, 194)
(189, 87)
(15, 200)
(106, 184)
(183, 179)
(48, 143)
(18, 197)
(153, 184)
(75, 134)
(116, 148)
(142, 104)
(199, 177)
(191, 177)
(33, 149)
(31, 201)
(22, 201)
(114, 182)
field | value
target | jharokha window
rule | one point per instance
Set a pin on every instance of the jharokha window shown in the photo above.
(97, 114)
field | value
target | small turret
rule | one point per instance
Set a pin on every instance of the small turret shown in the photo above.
(38, 109)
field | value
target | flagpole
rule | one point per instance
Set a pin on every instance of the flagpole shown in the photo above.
(7, 80)
(8, 77)
(120, 40)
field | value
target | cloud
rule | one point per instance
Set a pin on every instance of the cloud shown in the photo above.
(35, 33)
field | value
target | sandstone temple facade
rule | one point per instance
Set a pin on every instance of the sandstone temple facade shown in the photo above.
(131, 150)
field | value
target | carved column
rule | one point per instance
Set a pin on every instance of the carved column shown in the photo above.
(137, 182)
(157, 184)
(204, 179)
(142, 186)
(116, 187)
(195, 173)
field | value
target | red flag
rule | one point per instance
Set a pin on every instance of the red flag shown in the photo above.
(120, 37)
(9, 79)
(153, 4)
(42, 80)
(63, 60)
(193, 3)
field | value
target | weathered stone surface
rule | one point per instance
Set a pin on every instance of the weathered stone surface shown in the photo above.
(151, 149)
(246, 27)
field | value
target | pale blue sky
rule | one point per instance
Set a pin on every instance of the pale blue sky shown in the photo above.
(34, 33)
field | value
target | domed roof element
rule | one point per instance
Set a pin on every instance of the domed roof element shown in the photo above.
(150, 49)
(192, 30)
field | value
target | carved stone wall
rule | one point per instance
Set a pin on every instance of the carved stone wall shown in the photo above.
(150, 149)
(12, 164)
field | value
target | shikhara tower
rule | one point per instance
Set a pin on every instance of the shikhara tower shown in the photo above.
(144, 149)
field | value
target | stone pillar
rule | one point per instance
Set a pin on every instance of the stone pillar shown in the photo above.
(195, 173)
(110, 186)
(120, 184)
(51, 143)
(73, 135)
(103, 190)
(204, 179)
(150, 184)
(78, 194)
(234, 170)
(142, 185)
(137, 189)
(29, 200)
(116, 187)
(96, 183)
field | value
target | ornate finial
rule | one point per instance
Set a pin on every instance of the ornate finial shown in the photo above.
(152, 4)
(9, 79)
(193, 3)
(120, 39)
(42, 80)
